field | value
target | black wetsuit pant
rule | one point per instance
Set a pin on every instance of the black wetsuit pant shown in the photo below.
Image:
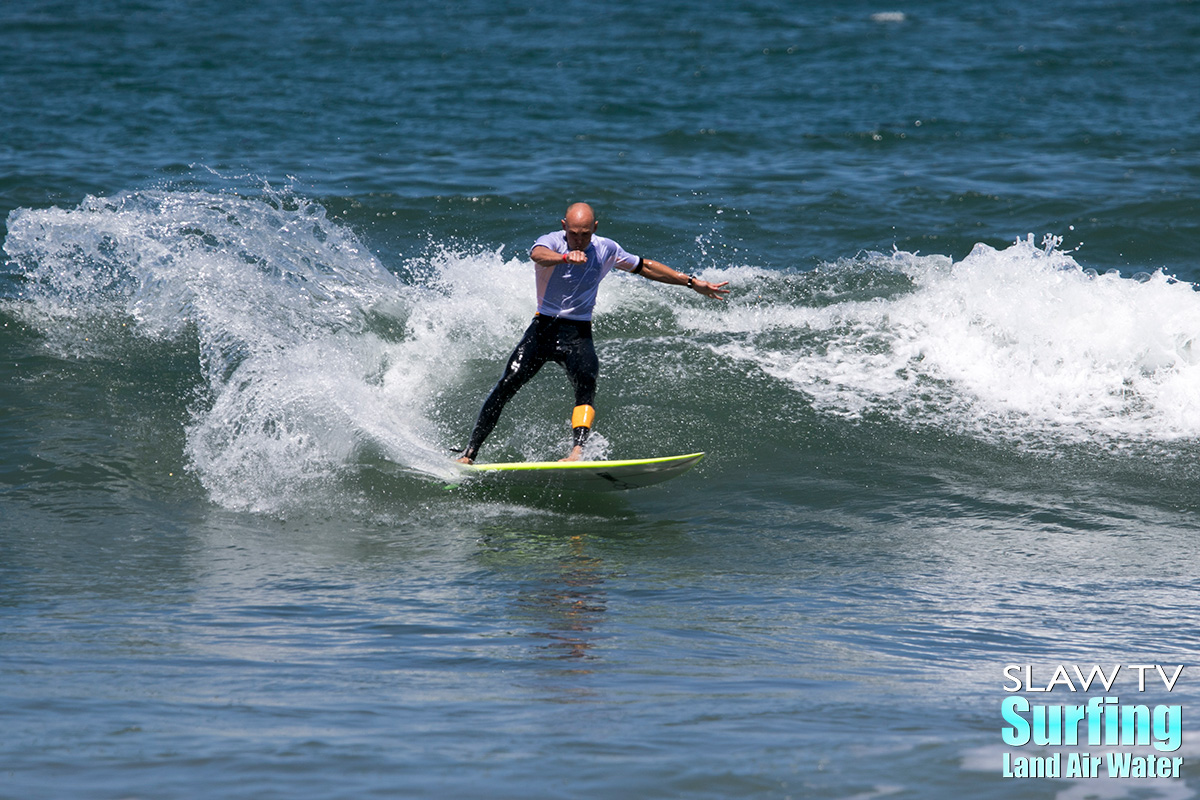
(566, 341)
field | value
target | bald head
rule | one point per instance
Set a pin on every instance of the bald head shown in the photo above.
(579, 223)
(580, 214)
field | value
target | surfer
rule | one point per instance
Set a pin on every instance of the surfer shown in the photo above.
(568, 266)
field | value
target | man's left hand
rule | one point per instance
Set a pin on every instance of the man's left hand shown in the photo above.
(713, 290)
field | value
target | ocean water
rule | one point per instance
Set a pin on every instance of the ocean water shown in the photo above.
(262, 262)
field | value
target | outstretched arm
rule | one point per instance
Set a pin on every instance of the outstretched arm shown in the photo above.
(657, 271)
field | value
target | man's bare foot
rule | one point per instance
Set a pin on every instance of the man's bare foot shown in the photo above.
(465, 460)
(575, 454)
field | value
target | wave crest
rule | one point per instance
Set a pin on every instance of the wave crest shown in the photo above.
(1020, 342)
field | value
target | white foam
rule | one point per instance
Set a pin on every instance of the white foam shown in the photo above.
(1012, 342)
(282, 302)
(315, 354)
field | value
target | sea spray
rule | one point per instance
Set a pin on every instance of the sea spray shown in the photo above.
(317, 359)
(1019, 343)
(280, 300)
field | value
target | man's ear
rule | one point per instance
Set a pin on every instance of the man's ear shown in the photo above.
(563, 222)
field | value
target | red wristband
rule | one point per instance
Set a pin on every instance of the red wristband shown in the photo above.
(564, 256)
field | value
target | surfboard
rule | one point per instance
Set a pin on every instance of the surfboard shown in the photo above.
(588, 475)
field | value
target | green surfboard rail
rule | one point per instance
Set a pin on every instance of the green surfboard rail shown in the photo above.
(594, 475)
